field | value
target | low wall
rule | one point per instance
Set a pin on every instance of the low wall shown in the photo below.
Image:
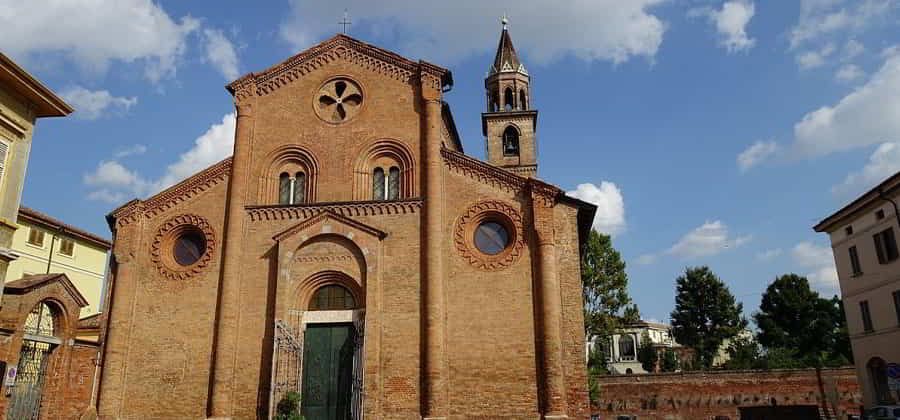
(707, 395)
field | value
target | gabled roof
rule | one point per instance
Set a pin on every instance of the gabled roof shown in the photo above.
(506, 59)
(887, 186)
(28, 283)
(44, 101)
(287, 69)
(328, 214)
(35, 217)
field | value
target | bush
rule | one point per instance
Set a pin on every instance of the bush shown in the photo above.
(288, 407)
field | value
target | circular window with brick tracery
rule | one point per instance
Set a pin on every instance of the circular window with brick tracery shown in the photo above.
(183, 246)
(338, 100)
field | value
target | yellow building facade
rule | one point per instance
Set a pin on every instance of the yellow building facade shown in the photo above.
(23, 99)
(46, 245)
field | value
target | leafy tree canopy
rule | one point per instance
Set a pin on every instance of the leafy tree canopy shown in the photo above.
(607, 305)
(706, 313)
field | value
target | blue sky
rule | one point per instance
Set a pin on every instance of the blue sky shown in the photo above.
(708, 132)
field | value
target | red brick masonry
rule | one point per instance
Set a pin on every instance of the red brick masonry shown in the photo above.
(705, 395)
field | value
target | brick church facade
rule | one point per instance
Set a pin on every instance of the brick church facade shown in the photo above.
(349, 251)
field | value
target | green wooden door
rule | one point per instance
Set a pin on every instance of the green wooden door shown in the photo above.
(327, 371)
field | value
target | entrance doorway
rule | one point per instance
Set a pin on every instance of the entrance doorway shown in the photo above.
(38, 343)
(328, 357)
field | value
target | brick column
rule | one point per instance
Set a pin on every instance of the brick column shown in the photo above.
(553, 393)
(434, 376)
(222, 374)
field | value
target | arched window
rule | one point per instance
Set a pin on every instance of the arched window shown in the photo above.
(878, 375)
(41, 321)
(508, 100)
(378, 184)
(393, 191)
(523, 100)
(626, 347)
(510, 141)
(284, 188)
(332, 298)
(299, 188)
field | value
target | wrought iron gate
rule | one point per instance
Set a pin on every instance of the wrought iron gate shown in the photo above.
(25, 403)
(286, 364)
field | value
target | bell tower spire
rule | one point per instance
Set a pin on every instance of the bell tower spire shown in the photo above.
(510, 122)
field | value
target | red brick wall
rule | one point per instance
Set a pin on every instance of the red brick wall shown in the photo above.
(704, 395)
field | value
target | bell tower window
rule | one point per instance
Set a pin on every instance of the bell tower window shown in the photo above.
(508, 100)
(523, 100)
(510, 141)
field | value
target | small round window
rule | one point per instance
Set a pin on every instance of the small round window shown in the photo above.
(188, 248)
(491, 238)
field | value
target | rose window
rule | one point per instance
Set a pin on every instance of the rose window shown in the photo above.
(339, 100)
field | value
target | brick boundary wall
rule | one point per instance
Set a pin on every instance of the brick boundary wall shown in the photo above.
(706, 395)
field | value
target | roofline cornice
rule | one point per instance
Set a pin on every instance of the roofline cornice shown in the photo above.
(46, 102)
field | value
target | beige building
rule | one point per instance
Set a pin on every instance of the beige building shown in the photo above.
(23, 99)
(864, 239)
(46, 245)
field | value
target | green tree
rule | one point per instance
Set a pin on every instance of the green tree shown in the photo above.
(596, 367)
(792, 316)
(606, 302)
(670, 361)
(705, 315)
(744, 353)
(647, 354)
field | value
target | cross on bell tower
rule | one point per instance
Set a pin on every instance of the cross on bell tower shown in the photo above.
(510, 122)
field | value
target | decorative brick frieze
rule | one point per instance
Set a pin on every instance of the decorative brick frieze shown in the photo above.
(348, 209)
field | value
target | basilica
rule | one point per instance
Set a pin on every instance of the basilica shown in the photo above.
(351, 257)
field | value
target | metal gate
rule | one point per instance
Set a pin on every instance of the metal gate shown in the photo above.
(25, 403)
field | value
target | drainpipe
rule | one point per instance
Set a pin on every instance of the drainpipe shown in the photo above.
(882, 195)
(52, 242)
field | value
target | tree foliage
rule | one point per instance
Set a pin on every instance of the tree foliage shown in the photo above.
(705, 315)
(607, 304)
(792, 317)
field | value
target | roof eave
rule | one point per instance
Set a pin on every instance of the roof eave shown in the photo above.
(46, 103)
(888, 186)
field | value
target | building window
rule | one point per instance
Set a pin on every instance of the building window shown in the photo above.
(332, 298)
(386, 187)
(36, 237)
(67, 247)
(896, 295)
(866, 316)
(509, 102)
(510, 141)
(879, 214)
(292, 189)
(854, 261)
(4, 150)
(523, 99)
(886, 246)
(627, 348)
(848, 230)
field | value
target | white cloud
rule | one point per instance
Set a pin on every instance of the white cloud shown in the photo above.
(819, 262)
(755, 154)
(221, 53)
(646, 259)
(849, 73)
(112, 182)
(93, 104)
(95, 33)
(812, 59)
(884, 162)
(820, 19)
(137, 149)
(866, 116)
(711, 238)
(612, 30)
(852, 49)
(610, 217)
(769, 254)
(731, 23)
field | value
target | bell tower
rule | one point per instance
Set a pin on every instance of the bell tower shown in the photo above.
(510, 122)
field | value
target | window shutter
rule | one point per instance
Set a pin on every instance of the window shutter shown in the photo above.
(879, 248)
(4, 149)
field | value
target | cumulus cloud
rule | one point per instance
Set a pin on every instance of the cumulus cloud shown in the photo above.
(731, 23)
(113, 182)
(711, 238)
(866, 116)
(221, 53)
(611, 30)
(610, 217)
(96, 33)
(93, 104)
(884, 162)
(812, 59)
(818, 261)
(823, 18)
(137, 149)
(756, 154)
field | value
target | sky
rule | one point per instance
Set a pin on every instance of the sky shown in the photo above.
(708, 132)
